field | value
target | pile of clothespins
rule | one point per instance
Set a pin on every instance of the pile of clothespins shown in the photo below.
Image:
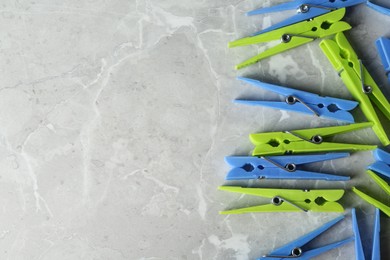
(282, 155)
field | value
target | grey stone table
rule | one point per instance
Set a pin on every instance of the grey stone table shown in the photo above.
(115, 117)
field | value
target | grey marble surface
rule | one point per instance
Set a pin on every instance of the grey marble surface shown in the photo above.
(115, 117)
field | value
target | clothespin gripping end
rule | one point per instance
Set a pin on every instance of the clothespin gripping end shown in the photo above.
(383, 48)
(294, 248)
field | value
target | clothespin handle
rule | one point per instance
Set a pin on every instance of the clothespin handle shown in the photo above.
(384, 208)
(376, 249)
(359, 253)
(378, 8)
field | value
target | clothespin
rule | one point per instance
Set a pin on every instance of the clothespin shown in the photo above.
(306, 9)
(376, 244)
(304, 102)
(376, 237)
(294, 249)
(381, 183)
(285, 200)
(383, 47)
(280, 167)
(382, 164)
(305, 141)
(295, 35)
(359, 253)
(358, 81)
(378, 8)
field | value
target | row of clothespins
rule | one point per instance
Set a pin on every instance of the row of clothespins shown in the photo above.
(291, 167)
(274, 155)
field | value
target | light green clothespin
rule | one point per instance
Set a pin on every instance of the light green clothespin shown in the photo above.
(305, 141)
(383, 184)
(295, 35)
(286, 200)
(358, 81)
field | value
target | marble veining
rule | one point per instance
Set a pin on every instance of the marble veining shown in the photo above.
(115, 117)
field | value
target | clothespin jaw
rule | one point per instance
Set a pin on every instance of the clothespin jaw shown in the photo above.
(358, 81)
(382, 165)
(294, 35)
(383, 47)
(287, 200)
(280, 167)
(303, 102)
(376, 248)
(383, 184)
(294, 248)
(305, 141)
(359, 253)
(378, 8)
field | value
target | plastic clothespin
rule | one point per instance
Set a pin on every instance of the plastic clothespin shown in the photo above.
(359, 253)
(285, 200)
(383, 47)
(382, 165)
(294, 249)
(358, 81)
(280, 167)
(305, 141)
(306, 9)
(376, 244)
(375, 255)
(378, 8)
(295, 35)
(381, 183)
(304, 102)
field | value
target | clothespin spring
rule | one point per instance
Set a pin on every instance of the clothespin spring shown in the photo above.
(366, 89)
(291, 100)
(296, 252)
(277, 201)
(317, 139)
(286, 38)
(290, 167)
(306, 8)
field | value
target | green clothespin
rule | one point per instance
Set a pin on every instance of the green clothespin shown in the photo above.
(358, 81)
(294, 35)
(383, 184)
(305, 141)
(286, 200)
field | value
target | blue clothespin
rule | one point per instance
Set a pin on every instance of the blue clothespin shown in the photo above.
(359, 253)
(378, 8)
(383, 47)
(294, 249)
(304, 102)
(280, 167)
(306, 9)
(382, 165)
(375, 255)
(376, 244)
